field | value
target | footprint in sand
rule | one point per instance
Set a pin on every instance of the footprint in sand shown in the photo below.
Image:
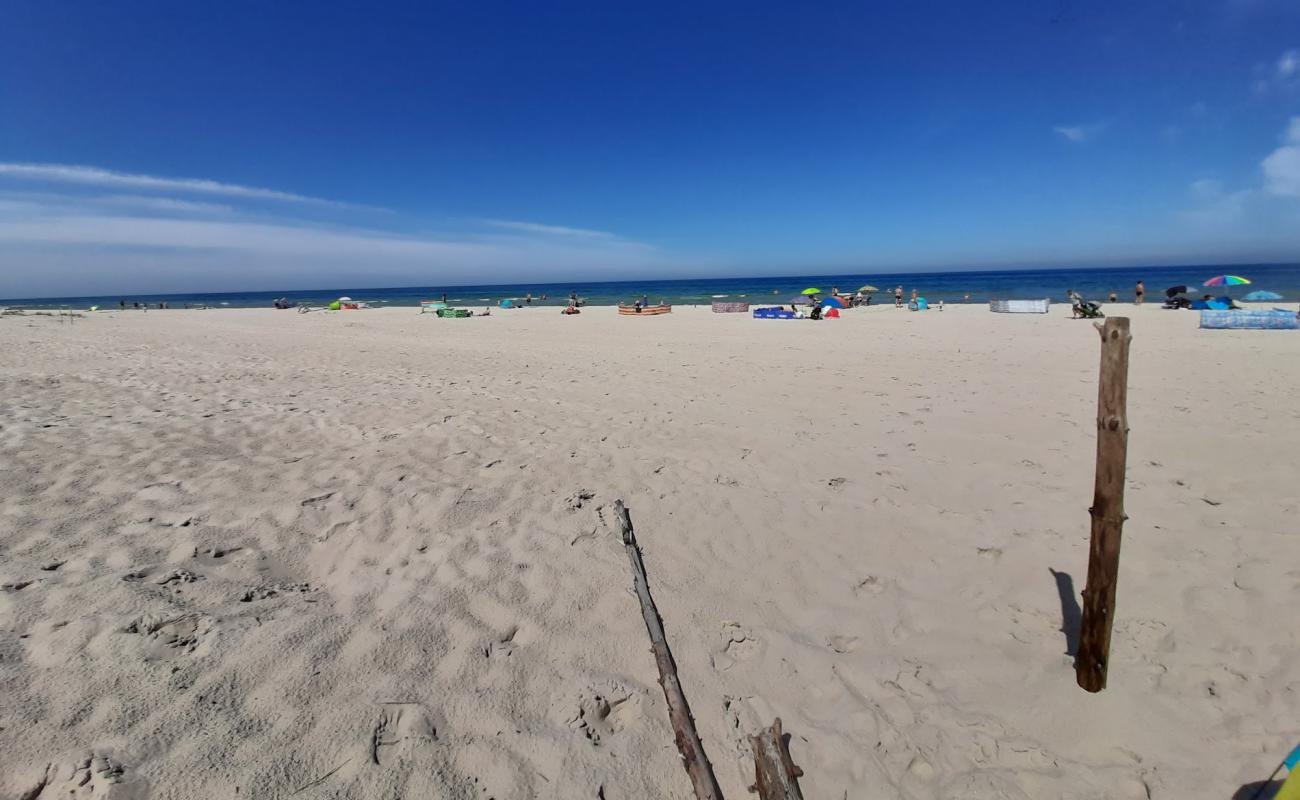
(171, 636)
(602, 713)
(273, 590)
(737, 644)
(502, 646)
(870, 585)
(178, 576)
(400, 729)
(844, 644)
(95, 776)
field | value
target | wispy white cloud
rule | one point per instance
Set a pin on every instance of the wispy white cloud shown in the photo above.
(1080, 133)
(1288, 64)
(73, 242)
(1281, 76)
(95, 176)
(548, 230)
(1265, 212)
(1282, 166)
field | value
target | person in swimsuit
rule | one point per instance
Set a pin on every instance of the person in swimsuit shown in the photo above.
(1138, 291)
(898, 297)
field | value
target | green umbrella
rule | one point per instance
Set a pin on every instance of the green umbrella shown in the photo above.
(867, 289)
(811, 291)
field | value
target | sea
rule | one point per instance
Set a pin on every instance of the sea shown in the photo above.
(948, 286)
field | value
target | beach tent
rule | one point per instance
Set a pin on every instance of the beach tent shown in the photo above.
(507, 303)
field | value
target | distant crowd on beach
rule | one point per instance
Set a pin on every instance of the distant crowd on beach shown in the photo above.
(574, 302)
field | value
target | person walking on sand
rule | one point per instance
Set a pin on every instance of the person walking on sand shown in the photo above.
(898, 297)
(1138, 291)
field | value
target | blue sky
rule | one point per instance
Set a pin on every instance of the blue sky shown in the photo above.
(162, 146)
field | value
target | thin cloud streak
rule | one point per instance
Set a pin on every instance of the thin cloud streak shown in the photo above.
(54, 244)
(95, 176)
(550, 230)
(1079, 133)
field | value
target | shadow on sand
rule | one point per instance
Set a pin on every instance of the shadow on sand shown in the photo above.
(1071, 614)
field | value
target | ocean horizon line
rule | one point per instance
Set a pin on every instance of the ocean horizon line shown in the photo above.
(975, 284)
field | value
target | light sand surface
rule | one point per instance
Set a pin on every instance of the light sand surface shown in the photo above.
(371, 554)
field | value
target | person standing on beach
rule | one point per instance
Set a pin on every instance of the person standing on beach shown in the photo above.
(1114, 298)
(965, 298)
(1138, 291)
(898, 297)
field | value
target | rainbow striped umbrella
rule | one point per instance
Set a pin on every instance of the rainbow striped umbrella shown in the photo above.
(1226, 280)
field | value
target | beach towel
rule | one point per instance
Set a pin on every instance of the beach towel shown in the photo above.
(1020, 306)
(1250, 320)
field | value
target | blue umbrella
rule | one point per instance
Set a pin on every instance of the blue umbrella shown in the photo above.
(832, 302)
(1263, 295)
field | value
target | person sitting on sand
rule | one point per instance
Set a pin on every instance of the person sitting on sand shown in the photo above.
(1076, 302)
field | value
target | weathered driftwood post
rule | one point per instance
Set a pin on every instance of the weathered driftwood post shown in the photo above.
(679, 713)
(1107, 507)
(774, 771)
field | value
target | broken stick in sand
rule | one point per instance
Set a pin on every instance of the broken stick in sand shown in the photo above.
(775, 775)
(679, 713)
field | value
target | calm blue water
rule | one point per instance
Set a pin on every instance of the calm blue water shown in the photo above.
(1094, 284)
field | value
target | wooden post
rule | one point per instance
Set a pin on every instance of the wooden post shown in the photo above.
(774, 771)
(679, 713)
(1107, 507)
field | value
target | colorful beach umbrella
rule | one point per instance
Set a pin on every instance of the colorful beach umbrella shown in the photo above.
(1263, 295)
(1226, 280)
(832, 302)
(811, 291)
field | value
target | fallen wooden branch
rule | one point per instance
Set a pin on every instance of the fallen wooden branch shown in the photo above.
(1093, 656)
(774, 771)
(679, 713)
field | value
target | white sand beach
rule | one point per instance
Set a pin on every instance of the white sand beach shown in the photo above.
(262, 554)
